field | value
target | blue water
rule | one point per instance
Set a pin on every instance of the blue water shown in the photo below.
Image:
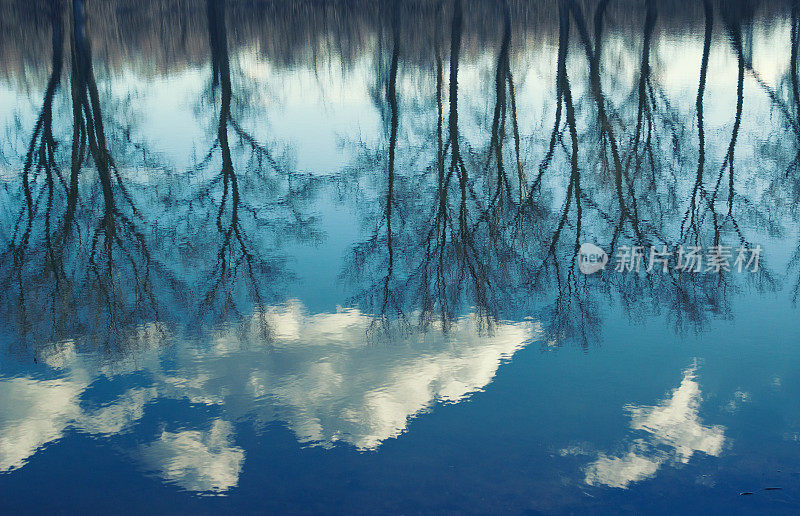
(324, 258)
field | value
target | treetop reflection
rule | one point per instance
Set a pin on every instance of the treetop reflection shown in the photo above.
(491, 169)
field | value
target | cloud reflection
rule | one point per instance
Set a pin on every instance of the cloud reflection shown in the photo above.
(32, 414)
(197, 461)
(673, 432)
(319, 374)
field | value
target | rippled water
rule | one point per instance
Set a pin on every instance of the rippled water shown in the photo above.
(324, 256)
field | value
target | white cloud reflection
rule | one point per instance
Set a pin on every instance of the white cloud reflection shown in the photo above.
(320, 375)
(32, 414)
(206, 462)
(673, 432)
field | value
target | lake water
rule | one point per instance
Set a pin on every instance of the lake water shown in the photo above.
(328, 257)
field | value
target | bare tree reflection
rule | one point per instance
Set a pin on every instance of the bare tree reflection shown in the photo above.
(628, 210)
(40, 193)
(77, 271)
(447, 253)
(466, 210)
(243, 272)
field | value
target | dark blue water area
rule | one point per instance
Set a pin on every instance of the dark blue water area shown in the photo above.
(523, 444)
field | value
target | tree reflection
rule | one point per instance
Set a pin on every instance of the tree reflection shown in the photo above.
(116, 236)
(244, 271)
(448, 253)
(467, 205)
(78, 271)
(39, 190)
(475, 246)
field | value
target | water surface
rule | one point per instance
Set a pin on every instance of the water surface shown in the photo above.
(323, 256)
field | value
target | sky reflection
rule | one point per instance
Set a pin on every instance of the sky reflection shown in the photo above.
(330, 248)
(321, 375)
(668, 432)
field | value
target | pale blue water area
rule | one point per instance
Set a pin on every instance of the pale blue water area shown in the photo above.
(323, 257)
